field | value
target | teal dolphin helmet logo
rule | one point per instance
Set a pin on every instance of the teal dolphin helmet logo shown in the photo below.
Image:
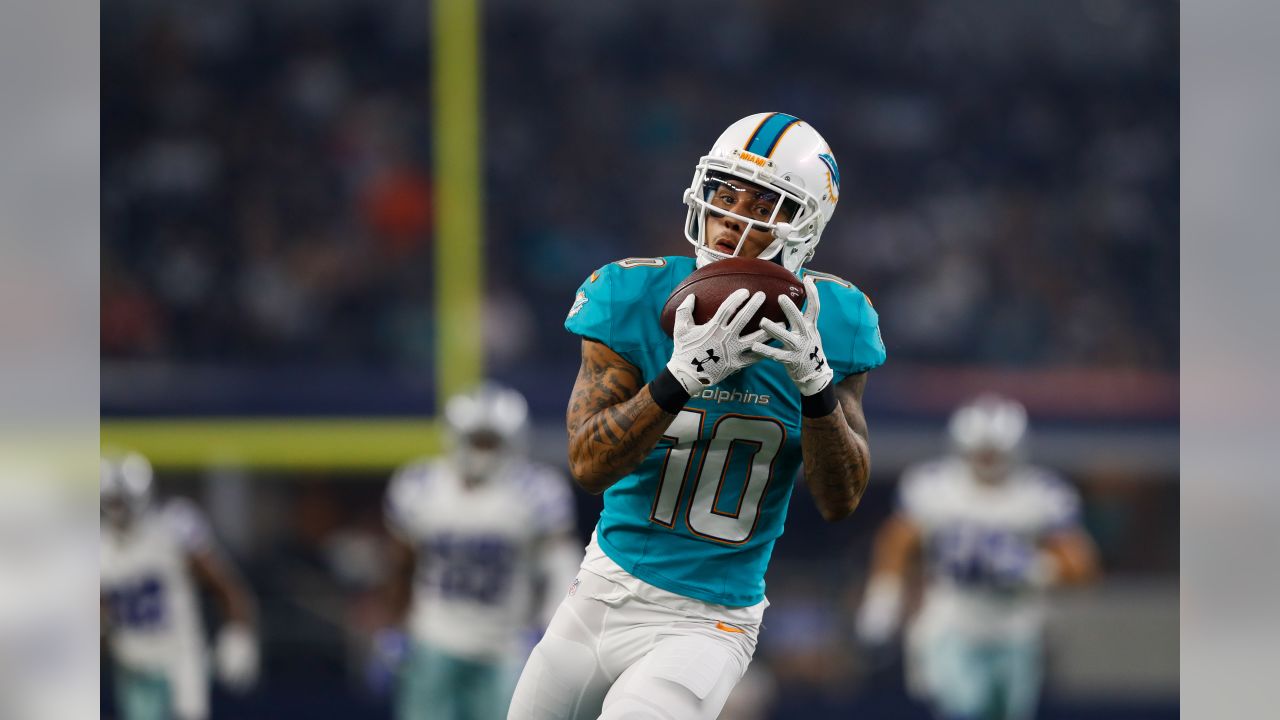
(833, 171)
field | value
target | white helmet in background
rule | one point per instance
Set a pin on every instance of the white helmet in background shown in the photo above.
(783, 154)
(487, 426)
(124, 491)
(989, 431)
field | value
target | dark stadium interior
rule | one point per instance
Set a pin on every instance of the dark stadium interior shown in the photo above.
(1010, 197)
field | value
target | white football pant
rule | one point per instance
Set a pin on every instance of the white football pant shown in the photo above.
(613, 654)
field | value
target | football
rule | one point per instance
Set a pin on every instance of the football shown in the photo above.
(715, 282)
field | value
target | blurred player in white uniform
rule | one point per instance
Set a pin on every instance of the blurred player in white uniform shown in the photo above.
(152, 556)
(993, 534)
(484, 542)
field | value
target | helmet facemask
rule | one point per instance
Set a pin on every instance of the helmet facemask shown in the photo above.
(124, 493)
(482, 453)
(488, 428)
(794, 238)
(989, 434)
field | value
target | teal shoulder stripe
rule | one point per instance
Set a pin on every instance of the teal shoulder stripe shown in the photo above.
(769, 132)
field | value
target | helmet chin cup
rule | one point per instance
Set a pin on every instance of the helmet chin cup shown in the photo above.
(705, 256)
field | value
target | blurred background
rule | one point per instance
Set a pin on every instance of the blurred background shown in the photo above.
(271, 270)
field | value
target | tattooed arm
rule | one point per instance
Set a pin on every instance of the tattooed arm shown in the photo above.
(837, 457)
(613, 421)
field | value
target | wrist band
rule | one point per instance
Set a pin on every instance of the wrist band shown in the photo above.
(668, 393)
(819, 404)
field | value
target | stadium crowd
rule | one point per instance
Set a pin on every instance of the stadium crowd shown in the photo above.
(267, 186)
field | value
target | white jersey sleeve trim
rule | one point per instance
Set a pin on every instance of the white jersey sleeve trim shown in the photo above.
(402, 505)
(1059, 500)
(549, 498)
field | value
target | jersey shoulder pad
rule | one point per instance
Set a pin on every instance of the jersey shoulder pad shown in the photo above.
(548, 497)
(406, 493)
(849, 324)
(620, 304)
(922, 486)
(188, 525)
(1056, 501)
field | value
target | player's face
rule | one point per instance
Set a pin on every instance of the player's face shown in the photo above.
(484, 441)
(989, 464)
(724, 232)
(480, 455)
(116, 510)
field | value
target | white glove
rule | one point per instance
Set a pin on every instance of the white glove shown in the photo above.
(388, 651)
(801, 352)
(236, 657)
(705, 355)
(877, 618)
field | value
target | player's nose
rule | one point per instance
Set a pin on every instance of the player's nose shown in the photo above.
(731, 221)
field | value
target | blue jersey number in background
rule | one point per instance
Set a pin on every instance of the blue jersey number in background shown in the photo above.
(981, 556)
(138, 604)
(471, 567)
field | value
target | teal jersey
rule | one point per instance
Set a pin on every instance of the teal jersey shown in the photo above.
(699, 515)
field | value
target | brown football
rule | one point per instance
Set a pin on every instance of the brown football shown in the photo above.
(715, 282)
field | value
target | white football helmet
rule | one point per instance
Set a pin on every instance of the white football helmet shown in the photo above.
(124, 491)
(989, 430)
(783, 154)
(487, 426)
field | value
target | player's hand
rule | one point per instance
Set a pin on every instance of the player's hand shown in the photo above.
(705, 355)
(801, 352)
(389, 650)
(236, 657)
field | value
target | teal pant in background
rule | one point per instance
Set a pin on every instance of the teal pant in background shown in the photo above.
(435, 685)
(982, 680)
(142, 695)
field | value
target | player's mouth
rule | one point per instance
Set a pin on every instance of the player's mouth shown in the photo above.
(726, 246)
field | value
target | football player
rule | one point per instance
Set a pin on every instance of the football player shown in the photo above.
(993, 534)
(696, 440)
(152, 557)
(483, 539)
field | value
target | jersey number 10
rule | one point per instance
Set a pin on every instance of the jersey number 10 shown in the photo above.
(763, 437)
